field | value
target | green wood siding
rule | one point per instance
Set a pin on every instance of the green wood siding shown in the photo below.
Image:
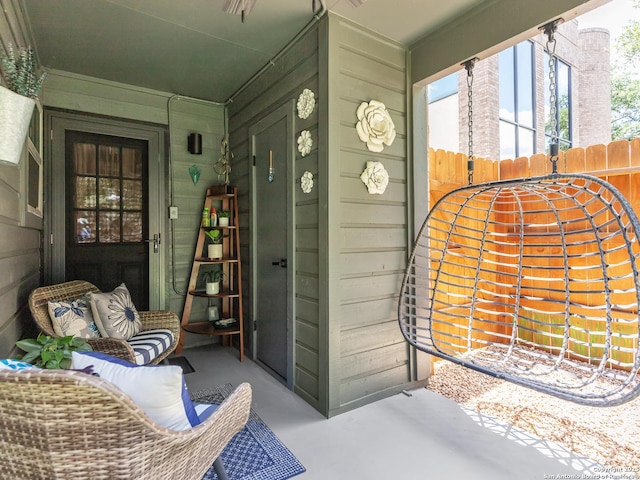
(294, 71)
(19, 245)
(367, 248)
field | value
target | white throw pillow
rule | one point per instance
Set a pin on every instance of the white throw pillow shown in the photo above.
(159, 390)
(115, 314)
(73, 317)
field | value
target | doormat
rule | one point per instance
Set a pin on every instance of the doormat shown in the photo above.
(254, 453)
(183, 363)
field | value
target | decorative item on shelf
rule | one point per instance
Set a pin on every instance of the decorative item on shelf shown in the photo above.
(214, 249)
(17, 101)
(223, 165)
(51, 352)
(271, 176)
(306, 103)
(194, 143)
(305, 142)
(213, 313)
(194, 173)
(223, 218)
(212, 282)
(375, 177)
(306, 182)
(213, 222)
(375, 126)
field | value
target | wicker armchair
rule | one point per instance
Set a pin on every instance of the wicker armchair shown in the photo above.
(66, 424)
(38, 304)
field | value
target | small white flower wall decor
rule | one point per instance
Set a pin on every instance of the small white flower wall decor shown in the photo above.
(305, 142)
(375, 177)
(306, 182)
(375, 126)
(306, 103)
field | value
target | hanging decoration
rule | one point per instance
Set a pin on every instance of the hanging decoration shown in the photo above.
(306, 103)
(375, 126)
(271, 175)
(306, 182)
(194, 173)
(375, 177)
(223, 165)
(305, 142)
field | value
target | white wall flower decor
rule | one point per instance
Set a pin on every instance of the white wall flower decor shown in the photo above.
(305, 142)
(375, 177)
(375, 126)
(306, 182)
(306, 103)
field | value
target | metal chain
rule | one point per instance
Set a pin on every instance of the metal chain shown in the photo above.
(468, 65)
(549, 30)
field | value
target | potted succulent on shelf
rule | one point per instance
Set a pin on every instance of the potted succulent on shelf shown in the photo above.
(223, 218)
(212, 282)
(214, 249)
(17, 100)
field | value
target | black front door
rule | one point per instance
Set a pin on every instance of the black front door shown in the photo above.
(106, 213)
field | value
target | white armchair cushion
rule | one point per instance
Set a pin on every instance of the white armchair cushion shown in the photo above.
(158, 389)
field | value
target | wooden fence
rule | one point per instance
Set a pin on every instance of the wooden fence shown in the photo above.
(619, 164)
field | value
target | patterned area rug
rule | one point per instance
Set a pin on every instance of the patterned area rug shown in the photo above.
(255, 453)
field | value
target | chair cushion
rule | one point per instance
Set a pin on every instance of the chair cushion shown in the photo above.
(204, 410)
(73, 317)
(148, 345)
(115, 314)
(159, 390)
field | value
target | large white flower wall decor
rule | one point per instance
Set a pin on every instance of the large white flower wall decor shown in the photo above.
(306, 103)
(306, 182)
(305, 142)
(375, 177)
(375, 126)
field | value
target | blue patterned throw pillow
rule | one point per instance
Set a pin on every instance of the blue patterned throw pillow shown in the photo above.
(11, 364)
(73, 317)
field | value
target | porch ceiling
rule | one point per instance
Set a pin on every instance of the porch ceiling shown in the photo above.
(192, 48)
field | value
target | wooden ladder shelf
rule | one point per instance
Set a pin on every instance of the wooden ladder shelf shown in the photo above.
(228, 299)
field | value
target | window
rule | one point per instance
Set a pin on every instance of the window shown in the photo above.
(516, 91)
(562, 104)
(32, 171)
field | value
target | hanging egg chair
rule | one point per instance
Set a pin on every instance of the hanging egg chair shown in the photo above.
(534, 281)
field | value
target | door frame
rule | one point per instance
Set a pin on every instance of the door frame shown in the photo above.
(286, 111)
(54, 208)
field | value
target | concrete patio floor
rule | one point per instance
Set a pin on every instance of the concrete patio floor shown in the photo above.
(418, 435)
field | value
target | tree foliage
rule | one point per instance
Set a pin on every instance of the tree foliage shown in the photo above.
(625, 84)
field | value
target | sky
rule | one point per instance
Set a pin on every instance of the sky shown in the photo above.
(613, 16)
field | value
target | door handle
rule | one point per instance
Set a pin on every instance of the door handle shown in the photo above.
(281, 263)
(156, 242)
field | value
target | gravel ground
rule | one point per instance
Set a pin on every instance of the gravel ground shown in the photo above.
(608, 435)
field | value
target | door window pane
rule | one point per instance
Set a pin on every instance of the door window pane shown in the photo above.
(131, 163)
(109, 227)
(109, 161)
(110, 193)
(132, 226)
(85, 192)
(131, 195)
(84, 158)
(85, 226)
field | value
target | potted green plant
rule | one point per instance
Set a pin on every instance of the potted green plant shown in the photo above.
(223, 218)
(212, 281)
(214, 249)
(51, 352)
(17, 100)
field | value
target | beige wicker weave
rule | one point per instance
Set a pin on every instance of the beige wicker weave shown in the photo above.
(39, 298)
(58, 424)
